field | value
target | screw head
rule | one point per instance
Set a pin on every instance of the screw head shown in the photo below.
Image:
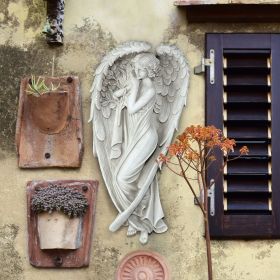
(47, 155)
(85, 188)
(57, 261)
(69, 80)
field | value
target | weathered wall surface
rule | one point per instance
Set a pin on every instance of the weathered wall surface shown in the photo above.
(93, 27)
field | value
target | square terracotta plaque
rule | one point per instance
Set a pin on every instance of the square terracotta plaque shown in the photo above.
(49, 127)
(61, 258)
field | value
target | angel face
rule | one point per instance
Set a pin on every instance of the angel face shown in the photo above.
(145, 65)
(140, 73)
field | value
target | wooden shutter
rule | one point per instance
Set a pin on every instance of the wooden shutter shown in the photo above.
(244, 102)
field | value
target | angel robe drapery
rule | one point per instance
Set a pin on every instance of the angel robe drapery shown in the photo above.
(134, 140)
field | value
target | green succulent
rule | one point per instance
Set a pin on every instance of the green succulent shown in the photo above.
(38, 87)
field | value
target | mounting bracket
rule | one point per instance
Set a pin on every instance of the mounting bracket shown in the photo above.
(207, 62)
(211, 195)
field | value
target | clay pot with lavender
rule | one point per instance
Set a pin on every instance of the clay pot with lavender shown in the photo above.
(60, 213)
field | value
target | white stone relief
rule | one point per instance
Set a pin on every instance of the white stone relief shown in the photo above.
(137, 100)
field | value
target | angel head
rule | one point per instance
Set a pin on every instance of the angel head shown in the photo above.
(145, 65)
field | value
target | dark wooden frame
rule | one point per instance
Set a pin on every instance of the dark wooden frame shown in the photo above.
(59, 258)
(244, 226)
(197, 11)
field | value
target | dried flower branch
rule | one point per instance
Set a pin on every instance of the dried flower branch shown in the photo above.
(195, 150)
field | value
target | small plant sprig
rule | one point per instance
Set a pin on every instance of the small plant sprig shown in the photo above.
(38, 87)
(190, 156)
(58, 198)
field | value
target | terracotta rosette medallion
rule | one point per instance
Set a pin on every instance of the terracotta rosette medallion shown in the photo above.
(142, 265)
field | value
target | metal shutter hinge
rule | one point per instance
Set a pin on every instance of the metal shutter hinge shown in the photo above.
(211, 195)
(209, 62)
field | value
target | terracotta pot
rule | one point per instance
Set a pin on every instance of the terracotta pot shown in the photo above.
(50, 111)
(58, 231)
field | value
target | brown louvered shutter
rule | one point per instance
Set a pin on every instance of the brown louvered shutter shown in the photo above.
(244, 102)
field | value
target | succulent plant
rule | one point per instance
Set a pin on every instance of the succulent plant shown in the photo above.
(38, 87)
(59, 198)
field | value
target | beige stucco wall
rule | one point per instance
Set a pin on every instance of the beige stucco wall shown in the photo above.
(92, 27)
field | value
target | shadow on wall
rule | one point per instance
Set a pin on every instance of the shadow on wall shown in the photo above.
(10, 261)
(17, 63)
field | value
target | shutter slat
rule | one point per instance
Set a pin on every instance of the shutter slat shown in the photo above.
(247, 97)
(248, 165)
(246, 53)
(248, 112)
(257, 149)
(250, 79)
(247, 87)
(247, 121)
(246, 69)
(237, 203)
(247, 184)
(230, 175)
(240, 104)
(247, 131)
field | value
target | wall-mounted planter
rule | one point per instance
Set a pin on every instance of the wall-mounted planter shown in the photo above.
(230, 10)
(49, 127)
(60, 218)
(50, 111)
(57, 231)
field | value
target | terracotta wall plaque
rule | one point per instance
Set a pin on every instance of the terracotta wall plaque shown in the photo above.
(69, 256)
(49, 127)
(143, 265)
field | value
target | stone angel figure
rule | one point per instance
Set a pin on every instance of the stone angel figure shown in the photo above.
(137, 100)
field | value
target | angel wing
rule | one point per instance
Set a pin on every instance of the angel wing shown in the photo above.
(110, 76)
(171, 86)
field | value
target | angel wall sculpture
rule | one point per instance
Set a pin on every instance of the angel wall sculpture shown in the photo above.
(137, 100)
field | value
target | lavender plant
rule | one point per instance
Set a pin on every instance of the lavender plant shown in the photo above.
(58, 198)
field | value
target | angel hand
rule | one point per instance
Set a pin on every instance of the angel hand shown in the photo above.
(134, 81)
(119, 93)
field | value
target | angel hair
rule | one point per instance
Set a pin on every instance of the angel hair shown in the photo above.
(148, 62)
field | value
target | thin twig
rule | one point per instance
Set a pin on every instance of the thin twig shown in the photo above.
(173, 171)
(192, 167)
(53, 66)
(191, 188)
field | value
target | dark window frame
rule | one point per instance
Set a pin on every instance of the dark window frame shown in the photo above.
(224, 226)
